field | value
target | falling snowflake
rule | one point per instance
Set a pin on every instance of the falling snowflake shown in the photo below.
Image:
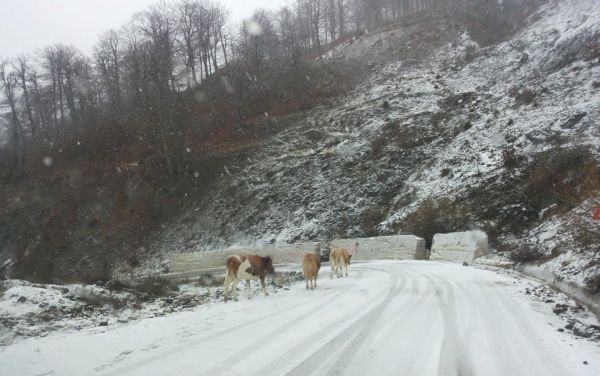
(254, 28)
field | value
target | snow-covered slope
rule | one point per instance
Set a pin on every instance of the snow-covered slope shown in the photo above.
(431, 121)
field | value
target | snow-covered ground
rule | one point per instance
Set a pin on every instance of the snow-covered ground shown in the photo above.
(36, 310)
(386, 318)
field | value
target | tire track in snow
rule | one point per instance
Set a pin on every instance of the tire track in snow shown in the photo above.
(350, 338)
(325, 300)
(451, 362)
(499, 343)
(410, 320)
(424, 317)
(531, 346)
(500, 334)
(275, 334)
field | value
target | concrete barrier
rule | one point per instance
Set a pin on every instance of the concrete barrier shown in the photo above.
(396, 247)
(459, 246)
(188, 264)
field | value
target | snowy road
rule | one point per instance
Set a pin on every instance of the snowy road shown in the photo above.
(387, 318)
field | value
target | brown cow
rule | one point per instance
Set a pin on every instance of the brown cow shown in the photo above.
(246, 267)
(311, 263)
(340, 258)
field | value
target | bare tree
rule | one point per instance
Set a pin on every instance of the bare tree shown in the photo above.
(9, 82)
(341, 11)
(39, 102)
(314, 12)
(158, 27)
(108, 64)
(187, 13)
(21, 69)
(331, 18)
(289, 34)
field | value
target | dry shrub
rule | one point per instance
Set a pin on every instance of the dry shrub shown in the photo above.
(523, 96)
(593, 283)
(378, 144)
(156, 286)
(371, 218)
(492, 21)
(511, 158)
(436, 216)
(586, 232)
(411, 137)
(588, 236)
(526, 253)
(446, 172)
(561, 176)
(95, 275)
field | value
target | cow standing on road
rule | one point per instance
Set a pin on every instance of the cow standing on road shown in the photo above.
(340, 259)
(311, 263)
(246, 267)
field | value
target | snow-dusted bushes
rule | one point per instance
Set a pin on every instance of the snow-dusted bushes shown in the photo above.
(562, 176)
(586, 233)
(489, 22)
(371, 218)
(526, 253)
(511, 158)
(156, 286)
(436, 216)
(523, 96)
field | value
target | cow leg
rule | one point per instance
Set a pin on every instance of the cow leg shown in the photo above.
(315, 281)
(226, 285)
(306, 282)
(346, 270)
(234, 286)
(248, 289)
(262, 283)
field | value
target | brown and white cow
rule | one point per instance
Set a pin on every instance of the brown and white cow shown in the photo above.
(246, 267)
(311, 263)
(340, 259)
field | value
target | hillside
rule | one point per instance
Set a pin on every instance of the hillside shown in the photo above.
(439, 133)
(444, 131)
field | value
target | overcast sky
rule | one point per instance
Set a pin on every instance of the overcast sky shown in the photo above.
(29, 25)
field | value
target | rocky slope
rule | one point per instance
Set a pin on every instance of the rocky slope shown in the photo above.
(438, 117)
